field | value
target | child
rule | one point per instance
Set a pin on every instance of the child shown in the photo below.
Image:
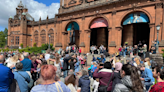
(95, 85)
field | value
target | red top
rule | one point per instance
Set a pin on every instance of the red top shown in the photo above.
(159, 87)
(120, 49)
(79, 50)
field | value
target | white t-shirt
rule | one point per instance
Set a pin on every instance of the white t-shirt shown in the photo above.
(95, 86)
(47, 56)
(71, 87)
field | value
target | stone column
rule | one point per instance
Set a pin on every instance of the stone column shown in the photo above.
(87, 40)
(119, 35)
(158, 19)
(152, 36)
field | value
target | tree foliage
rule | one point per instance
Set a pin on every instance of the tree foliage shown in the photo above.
(3, 41)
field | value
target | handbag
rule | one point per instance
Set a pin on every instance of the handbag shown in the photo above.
(104, 88)
(14, 87)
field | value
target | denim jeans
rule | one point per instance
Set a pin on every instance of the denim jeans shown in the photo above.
(65, 73)
(124, 53)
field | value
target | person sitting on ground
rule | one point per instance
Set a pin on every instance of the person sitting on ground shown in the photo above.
(104, 75)
(84, 82)
(130, 80)
(49, 84)
(22, 77)
(6, 76)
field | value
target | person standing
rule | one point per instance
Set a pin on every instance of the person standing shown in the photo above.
(27, 63)
(6, 76)
(47, 55)
(22, 78)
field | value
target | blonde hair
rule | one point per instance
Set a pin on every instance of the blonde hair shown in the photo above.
(137, 61)
(148, 61)
(14, 58)
(20, 56)
(33, 58)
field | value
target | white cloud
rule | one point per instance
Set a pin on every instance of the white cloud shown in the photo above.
(35, 9)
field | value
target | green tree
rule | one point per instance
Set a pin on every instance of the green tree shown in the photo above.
(2, 39)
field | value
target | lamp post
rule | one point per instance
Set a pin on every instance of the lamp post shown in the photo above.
(157, 45)
(31, 42)
(49, 41)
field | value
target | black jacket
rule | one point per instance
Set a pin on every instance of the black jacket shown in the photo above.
(117, 79)
(66, 63)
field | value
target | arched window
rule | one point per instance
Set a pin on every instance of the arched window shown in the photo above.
(51, 33)
(43, 37)
(36, 37)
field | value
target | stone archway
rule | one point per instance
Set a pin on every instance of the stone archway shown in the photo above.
(99, 32)
(135, 28)
(73, 36)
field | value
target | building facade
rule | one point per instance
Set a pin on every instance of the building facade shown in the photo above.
(91, 22)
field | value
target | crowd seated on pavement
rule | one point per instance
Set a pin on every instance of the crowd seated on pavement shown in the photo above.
(129, 70)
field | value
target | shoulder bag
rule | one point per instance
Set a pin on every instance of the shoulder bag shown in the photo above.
(104, 88)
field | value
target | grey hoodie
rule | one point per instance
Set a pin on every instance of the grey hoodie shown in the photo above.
(124, 86)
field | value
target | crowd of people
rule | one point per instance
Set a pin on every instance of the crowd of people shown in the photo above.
(24, 72)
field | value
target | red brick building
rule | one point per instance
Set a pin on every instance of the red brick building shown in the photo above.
(91, 22)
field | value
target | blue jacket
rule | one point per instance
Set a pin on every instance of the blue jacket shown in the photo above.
(148, 75)
(27, 64)
(77, 66)
(23, 84)
(93, 68)
(84, 83)
(6, 78)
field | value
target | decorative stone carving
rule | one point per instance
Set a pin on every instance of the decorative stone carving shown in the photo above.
(112, 44)
(82, 44)
(151, 25)
(58, 45)
(158, 5)
(88, 31)
(119, 28)
(65, 33)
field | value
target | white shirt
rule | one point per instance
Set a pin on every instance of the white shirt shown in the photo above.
(47, 56)
(95, 86)
(71, 87)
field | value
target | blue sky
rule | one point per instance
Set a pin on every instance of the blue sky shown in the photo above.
(48, 2)
(37, 9)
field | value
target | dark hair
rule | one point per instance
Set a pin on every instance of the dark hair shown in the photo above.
(135, 78)
(71, 80)
(161, 71)
(107, 65)
(19, 66)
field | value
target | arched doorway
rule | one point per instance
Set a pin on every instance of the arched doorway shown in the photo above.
(51, 33)
(135, 29)
(36, 37)
(99, 32)
(73, 33)
(43, 37)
